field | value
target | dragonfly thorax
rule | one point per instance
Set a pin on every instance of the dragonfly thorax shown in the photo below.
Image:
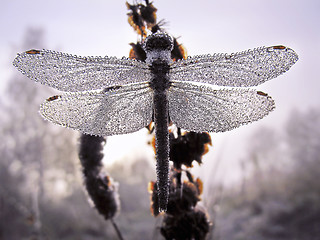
(158, 55)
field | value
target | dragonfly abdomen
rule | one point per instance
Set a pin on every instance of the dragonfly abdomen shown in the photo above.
(160, 84)
(161, 121)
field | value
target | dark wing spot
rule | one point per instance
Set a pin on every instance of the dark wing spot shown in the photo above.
(279, 47)
(33, 51)
(262, 93)
(53, 98)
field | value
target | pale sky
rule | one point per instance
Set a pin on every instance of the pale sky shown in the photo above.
(99, 27)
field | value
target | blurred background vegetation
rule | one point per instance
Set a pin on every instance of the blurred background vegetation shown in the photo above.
(41, 192)
(279, 195)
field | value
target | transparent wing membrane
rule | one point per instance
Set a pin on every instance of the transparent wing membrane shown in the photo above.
(71, 73)
(201, 108)
(113, 96)
(115, 110)
(243, 69)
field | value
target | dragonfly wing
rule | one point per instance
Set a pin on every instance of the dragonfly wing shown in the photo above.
(111, 111)
(201, 108)
(244, 69)
(71, 73)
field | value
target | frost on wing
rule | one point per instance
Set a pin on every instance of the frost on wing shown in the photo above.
(201, 108)
(72, 73)
(243, 69)
(114, 110)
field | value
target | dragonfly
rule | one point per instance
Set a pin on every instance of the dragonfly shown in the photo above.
(107, 96)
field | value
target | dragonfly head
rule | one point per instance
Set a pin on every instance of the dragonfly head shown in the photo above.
(158, 41)
(158, 46)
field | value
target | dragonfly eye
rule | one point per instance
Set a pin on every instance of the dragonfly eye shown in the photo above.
(158, 41)
(53, 98)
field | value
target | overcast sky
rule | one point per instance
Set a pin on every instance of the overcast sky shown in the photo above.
(99, 27)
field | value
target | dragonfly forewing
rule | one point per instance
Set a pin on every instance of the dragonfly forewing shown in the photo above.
(243, 69)
(72, 73)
